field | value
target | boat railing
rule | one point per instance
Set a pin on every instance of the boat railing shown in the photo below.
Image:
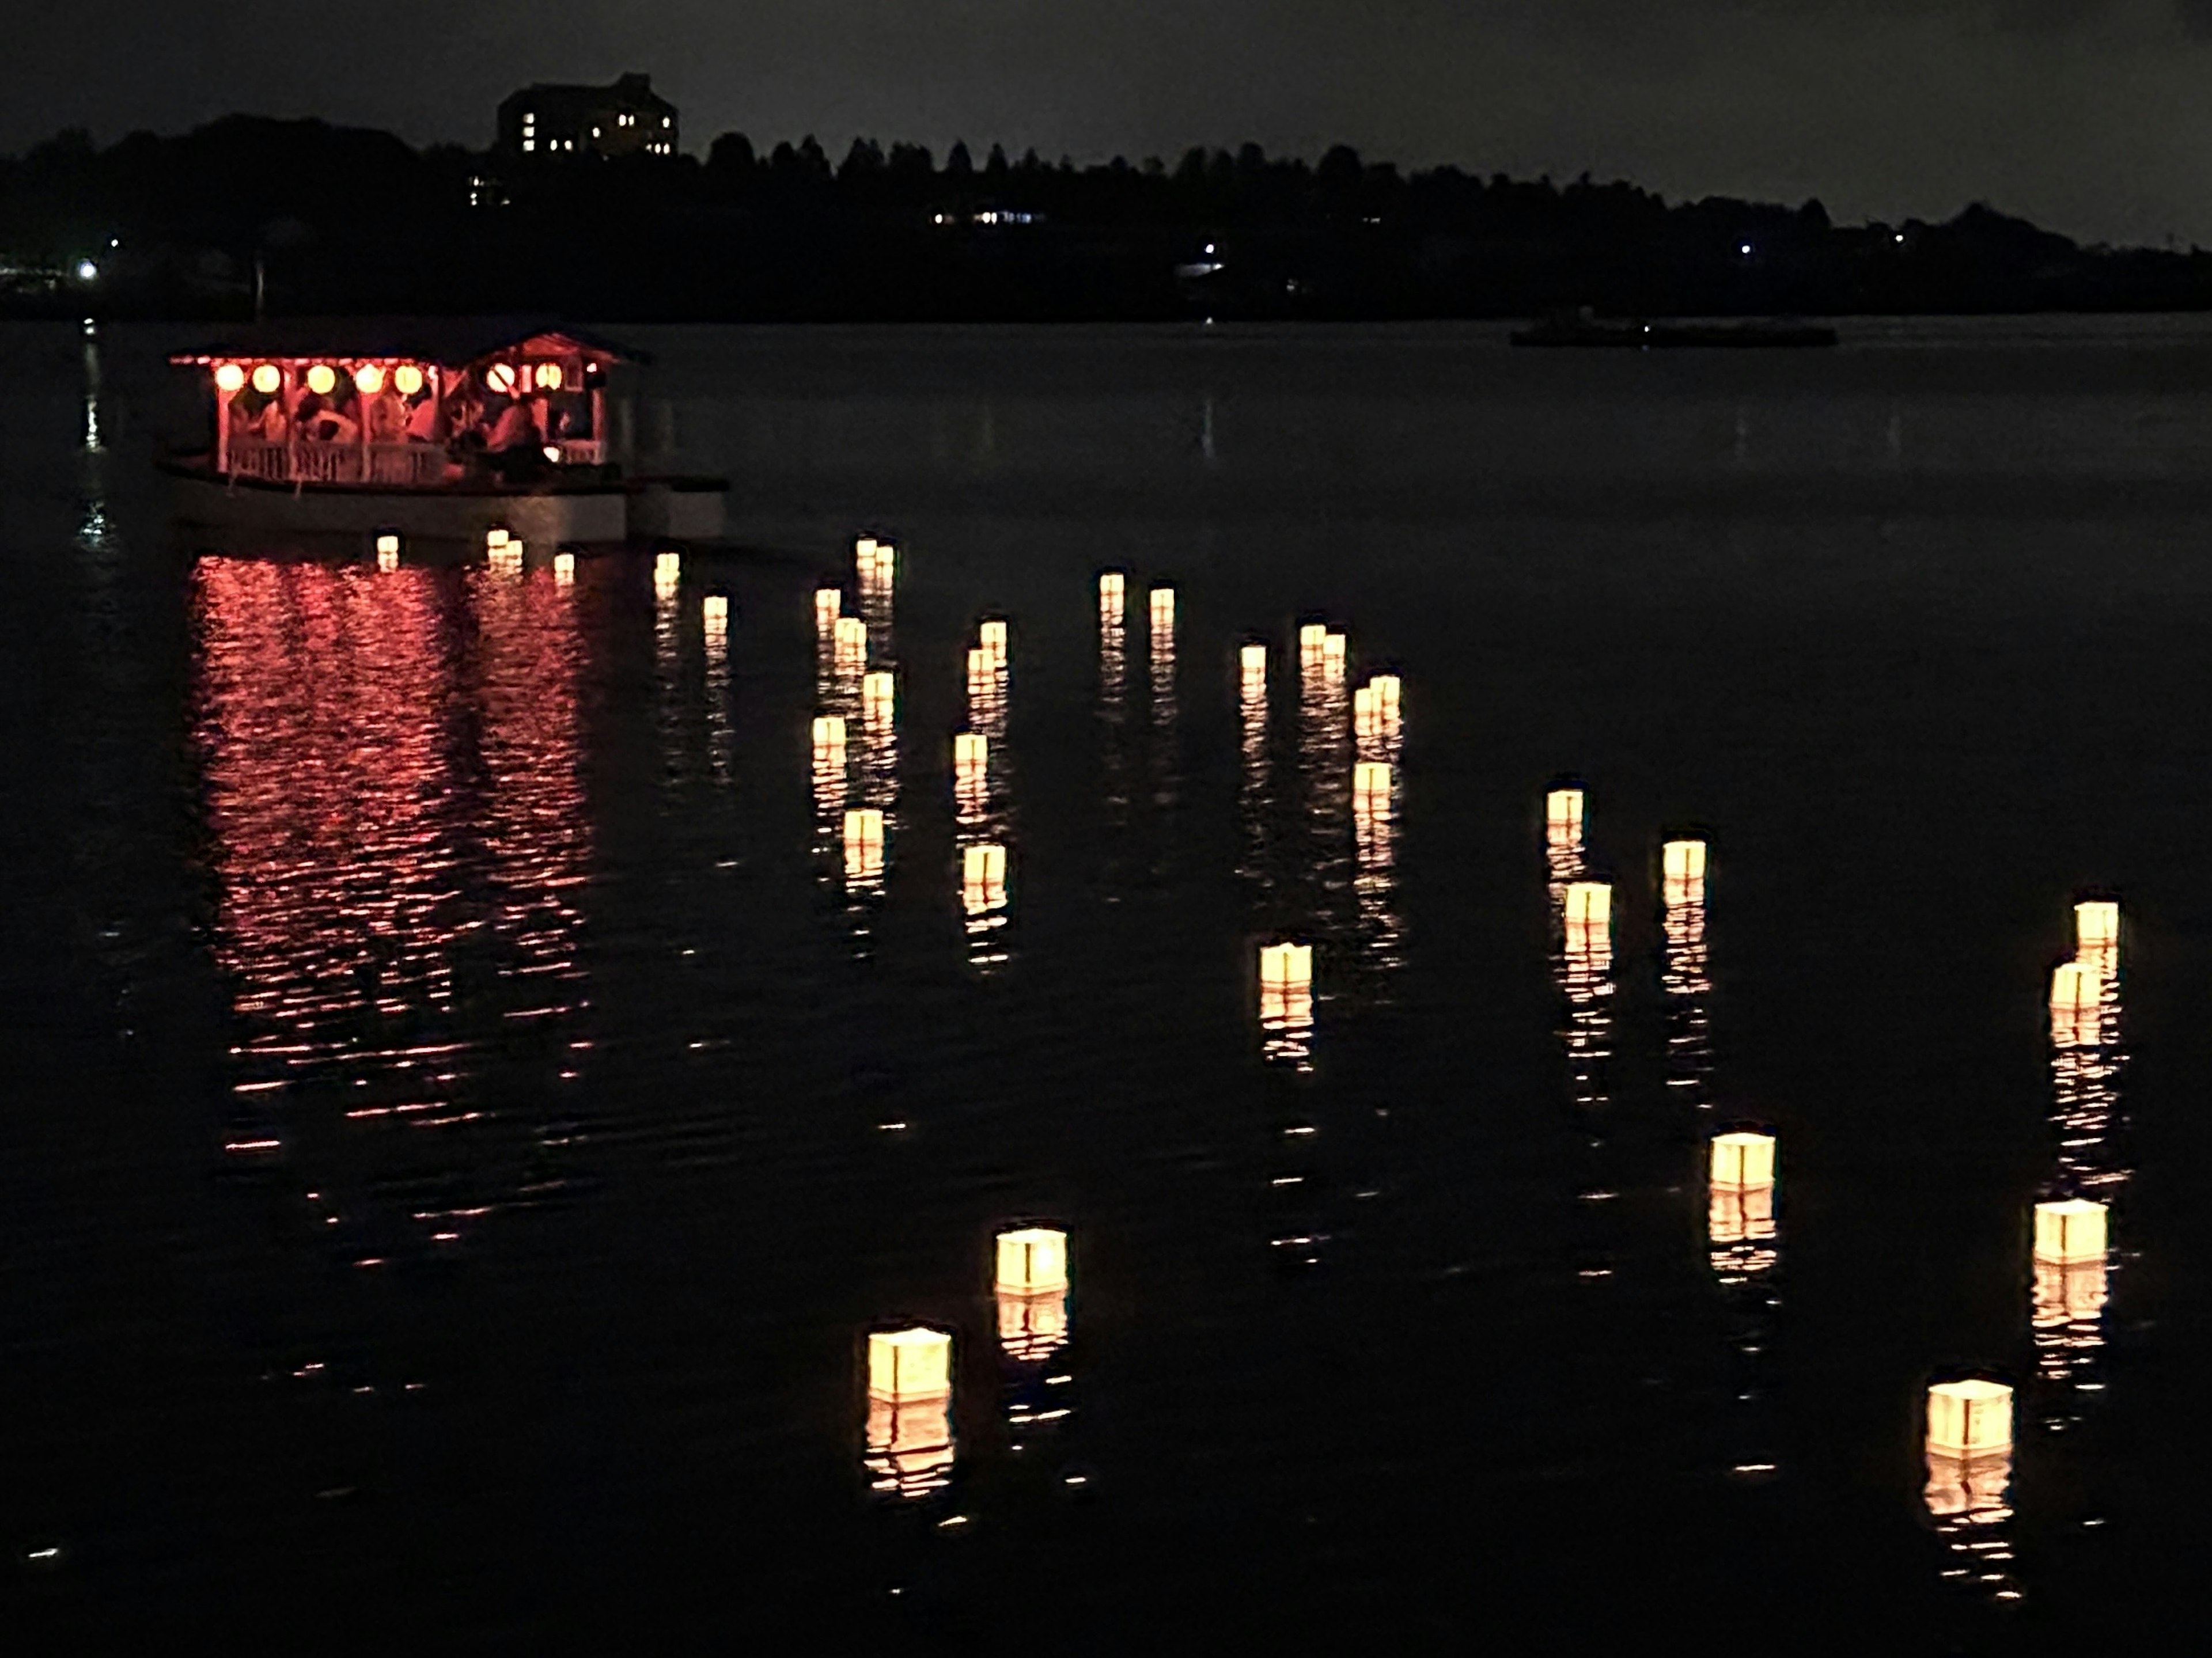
(408, 465)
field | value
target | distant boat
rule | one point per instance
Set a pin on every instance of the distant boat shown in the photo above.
(347, 425)
(1630, 333)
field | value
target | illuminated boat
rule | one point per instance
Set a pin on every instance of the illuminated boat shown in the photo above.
(434, 428)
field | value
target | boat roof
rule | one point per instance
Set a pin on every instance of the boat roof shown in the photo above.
(451, 341)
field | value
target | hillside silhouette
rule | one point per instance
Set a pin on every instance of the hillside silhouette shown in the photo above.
(327, 219)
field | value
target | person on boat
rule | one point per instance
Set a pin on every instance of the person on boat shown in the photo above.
(271, 425)
(515, 450)
(426, 422)
(386, 416)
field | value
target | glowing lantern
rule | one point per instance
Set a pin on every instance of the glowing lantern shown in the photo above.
(321, 379)
(500, 377)
(909, 1365)
(564, 568)
(387, 541)
(715, 612)
(827, 603)
(408, 379)
(829, 734)
(368, 379)
(1366, 717)
(2075, 987)
(1112, 587)
(496, 538)
(1589, 906)
(1163, 602)
(667, 567)
(983, 877)
(992, 636)
(1683, 860)
(1032, 1261)
(875, 561)
(1563, 814)
(2070, 1231)
(1386, 689)
(970, 756)
(849, 639)
(229, 377)
(1371, 786)
(1969, 1419)
(267, 377)
(1286, 967)
(979, 670)
(1741, 1161)
(864, 844)
(879, 698)
(1309, 642)
(1332, 653)
(1252, 663)
(2096, 925)
(506, 559)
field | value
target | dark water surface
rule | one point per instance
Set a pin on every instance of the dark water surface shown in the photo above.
(462, 1121)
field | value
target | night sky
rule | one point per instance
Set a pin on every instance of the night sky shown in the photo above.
(2092, 116)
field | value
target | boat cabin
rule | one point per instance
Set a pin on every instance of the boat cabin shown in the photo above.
(418, 404)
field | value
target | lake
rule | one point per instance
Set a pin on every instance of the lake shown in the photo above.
(472, 1099)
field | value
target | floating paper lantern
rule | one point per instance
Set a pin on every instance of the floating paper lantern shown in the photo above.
(980, 666)
(496, 537)
(829, 735)
(914, 1364)
(2096, 925)
(1563, 814)
(1386, 689)
(2070, 1231)
(879, 698)
(992, 637)
(1588, 906)
(715, 612)
(876, 561)
(1332, 652)
(850, 639)
(1969, 1419)
(2075, 987)
(1163, 607)
(1311, 636)
(1371, 786)
(667, 567)
(387, 550)
(564, 568)
(1113, 588)
(983, 879)
(1741, 1161)
(864, 843)
(1032, 1260)
(972, 752)
(1285, 967)
(1683, 861)
(507, 560)
(828, 602)
(1252, 663)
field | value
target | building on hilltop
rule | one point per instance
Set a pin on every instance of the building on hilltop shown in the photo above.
(627, 118)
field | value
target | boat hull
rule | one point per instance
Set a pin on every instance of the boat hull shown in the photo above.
(676, 509)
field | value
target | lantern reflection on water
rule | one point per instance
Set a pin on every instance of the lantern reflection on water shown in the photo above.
(506, 559)
(909, 1429)
(864, 844)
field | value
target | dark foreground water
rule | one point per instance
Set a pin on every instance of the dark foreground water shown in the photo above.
(463, 1118)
